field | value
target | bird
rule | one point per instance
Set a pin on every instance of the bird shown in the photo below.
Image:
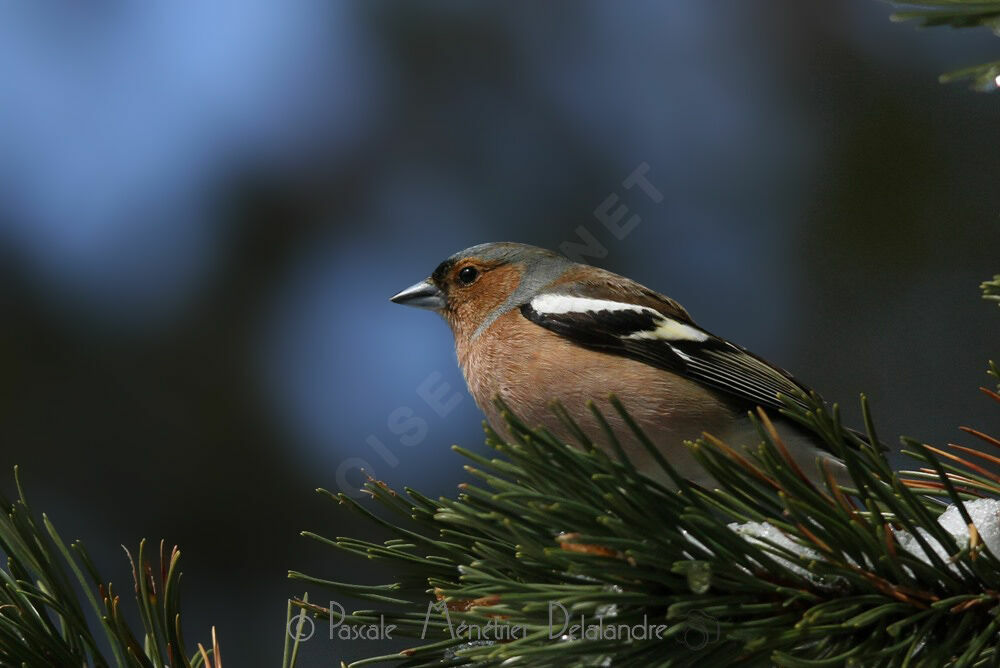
(532, 327)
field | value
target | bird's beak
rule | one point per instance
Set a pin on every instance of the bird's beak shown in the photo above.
(422, 295)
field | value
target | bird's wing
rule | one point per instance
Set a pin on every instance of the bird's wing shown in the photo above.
(655, 330)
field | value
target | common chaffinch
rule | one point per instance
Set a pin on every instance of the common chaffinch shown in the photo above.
(531, 326)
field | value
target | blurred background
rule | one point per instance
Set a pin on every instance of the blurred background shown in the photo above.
(204, 207)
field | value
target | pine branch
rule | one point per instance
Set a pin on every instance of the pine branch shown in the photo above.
(958, 14)
(44, 622)
(829, 580)
(991, 292)
(991, 289)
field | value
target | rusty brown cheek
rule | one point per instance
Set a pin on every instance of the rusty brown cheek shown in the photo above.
(470, 305)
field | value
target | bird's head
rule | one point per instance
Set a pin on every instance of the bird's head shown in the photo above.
(474, 287)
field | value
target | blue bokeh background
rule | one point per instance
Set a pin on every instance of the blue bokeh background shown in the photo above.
(204, 207)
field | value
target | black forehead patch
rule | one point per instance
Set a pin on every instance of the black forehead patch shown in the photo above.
(442, 270)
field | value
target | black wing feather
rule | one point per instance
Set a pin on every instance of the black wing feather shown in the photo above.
(714, 362)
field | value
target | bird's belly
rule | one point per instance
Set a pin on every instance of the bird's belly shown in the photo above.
(669, 409)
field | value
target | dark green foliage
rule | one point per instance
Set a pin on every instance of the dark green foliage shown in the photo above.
(991, 289)
(551, 523)
(43, 617)
(958, 14)
(991, 292)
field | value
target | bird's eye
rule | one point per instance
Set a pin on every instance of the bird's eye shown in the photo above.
(467, 275)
